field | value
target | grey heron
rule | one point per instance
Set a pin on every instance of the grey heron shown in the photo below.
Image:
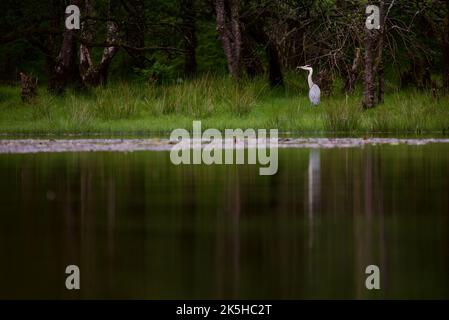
(314, 90)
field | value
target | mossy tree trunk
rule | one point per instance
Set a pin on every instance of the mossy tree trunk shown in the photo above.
(229, 29)
(91, 74)
(374, 46)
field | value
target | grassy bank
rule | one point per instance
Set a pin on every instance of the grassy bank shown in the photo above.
(219, 103)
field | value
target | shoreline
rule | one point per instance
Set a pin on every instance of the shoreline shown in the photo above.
(24, 146)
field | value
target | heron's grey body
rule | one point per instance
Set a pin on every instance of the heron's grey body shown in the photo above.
(314, 95)
(314, 90)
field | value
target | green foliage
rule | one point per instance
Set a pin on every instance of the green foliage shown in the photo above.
(157, 73)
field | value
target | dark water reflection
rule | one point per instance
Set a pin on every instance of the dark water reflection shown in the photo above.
(139, 227)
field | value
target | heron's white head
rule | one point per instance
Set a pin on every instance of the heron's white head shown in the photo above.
(306, 67)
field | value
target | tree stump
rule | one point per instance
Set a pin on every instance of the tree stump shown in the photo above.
(29, 87)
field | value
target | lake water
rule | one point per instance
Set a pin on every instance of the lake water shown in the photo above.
(139, 227)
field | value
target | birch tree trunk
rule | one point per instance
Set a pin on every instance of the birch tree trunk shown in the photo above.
(228, 27)
(91, 74)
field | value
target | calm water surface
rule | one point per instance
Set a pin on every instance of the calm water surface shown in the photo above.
(140, 227)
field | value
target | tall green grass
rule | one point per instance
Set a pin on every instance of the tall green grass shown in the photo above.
(219, 102)
(342, 116)
(411, 111)
(206, 96)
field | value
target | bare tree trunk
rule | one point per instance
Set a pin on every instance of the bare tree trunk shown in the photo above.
(88, 33)
(369, 86)
(374, 41)
(65, 69)
(108, 53)
(189, 33)
(91, 74)
(353, 73)
(228, 27)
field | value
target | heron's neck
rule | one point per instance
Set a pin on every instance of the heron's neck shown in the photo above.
(309, 79)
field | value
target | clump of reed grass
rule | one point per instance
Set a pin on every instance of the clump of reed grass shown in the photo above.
(206, 95)
(80, 111)
(42, 108)
(117, 102)
(342, 116)
(413, 116)
(194, 98)
(415, 112)
(380, 120)
(241, 98)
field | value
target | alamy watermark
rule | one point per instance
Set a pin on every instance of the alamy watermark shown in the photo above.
(373, 279)
(72, 21)
(373, 19)
(211, 147)
(72, 282)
